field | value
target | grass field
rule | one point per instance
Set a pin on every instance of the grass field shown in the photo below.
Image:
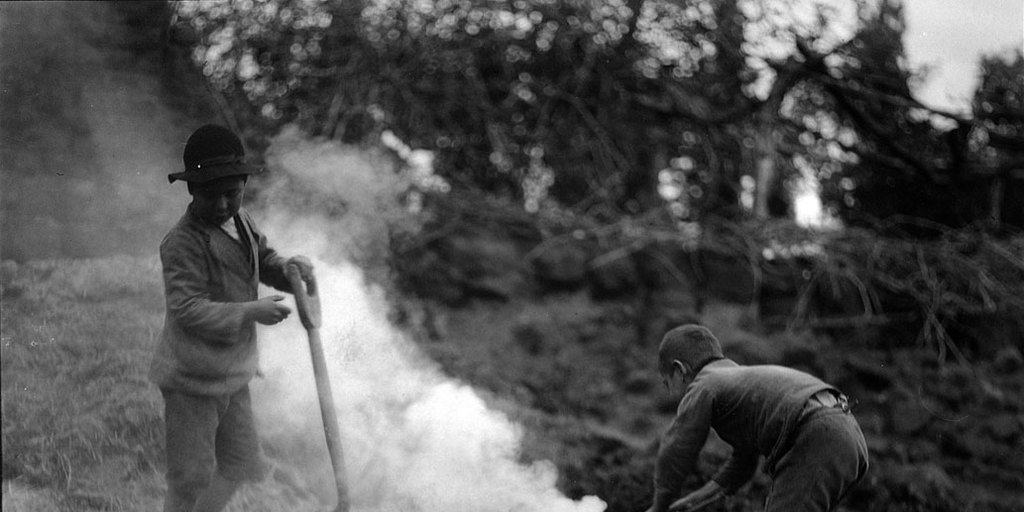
(83, 429)
(82, 425)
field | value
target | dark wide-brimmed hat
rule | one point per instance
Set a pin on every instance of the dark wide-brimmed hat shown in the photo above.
(213, 152)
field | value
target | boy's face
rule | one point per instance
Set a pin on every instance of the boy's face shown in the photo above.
(677, 380)
(219, 200)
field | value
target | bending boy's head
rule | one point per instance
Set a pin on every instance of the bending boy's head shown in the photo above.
(691, 344)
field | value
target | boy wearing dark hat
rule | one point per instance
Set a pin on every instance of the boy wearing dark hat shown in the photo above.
(814, 450)
(213, 261)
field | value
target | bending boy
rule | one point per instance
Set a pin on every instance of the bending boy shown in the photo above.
(814, 450)
(213, 261)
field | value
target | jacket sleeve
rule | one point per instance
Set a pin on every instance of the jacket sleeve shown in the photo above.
(188, 298)
(738, 470)
(271, 264)
(680, 446)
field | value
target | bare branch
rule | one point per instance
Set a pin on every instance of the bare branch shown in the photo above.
(891, 99)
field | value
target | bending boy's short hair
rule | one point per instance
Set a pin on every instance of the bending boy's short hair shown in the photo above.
(691, 344)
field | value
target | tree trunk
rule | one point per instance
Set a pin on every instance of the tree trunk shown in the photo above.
(996, 202)
(765, 166)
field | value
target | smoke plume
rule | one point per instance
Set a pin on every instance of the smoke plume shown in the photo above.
(86, 141)
(414, 438)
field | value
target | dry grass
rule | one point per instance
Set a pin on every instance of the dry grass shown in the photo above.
(933, 284)
(82, 425)
(80, 420)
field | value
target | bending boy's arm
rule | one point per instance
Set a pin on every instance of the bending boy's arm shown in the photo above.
(188, 298)
(738, 470)
(680, 446)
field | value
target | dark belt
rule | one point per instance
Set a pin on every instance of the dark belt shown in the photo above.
(826, 398)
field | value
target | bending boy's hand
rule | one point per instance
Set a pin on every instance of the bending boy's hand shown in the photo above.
(268, 310)
(711, 491)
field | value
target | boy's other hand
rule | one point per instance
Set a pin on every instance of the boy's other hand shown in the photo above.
(269, 310)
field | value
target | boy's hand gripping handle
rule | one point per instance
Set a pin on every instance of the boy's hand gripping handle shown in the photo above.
(306, 298)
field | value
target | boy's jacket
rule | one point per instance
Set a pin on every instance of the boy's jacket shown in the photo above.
(206, 346)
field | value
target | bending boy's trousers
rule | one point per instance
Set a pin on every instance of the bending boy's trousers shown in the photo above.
(827, 457)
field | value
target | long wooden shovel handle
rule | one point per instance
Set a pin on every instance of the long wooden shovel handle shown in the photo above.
(306, 297)
(308, 302)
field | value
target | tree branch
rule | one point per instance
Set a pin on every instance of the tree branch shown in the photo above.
(884, 138)
(891, 99)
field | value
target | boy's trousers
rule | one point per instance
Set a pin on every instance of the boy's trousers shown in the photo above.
(827, 457)
(207, 434)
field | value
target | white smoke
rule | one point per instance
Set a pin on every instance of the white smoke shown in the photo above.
(414, 438)
(86, 141)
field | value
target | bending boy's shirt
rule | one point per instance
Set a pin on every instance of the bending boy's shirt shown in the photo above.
(207, 346)
(753, 408)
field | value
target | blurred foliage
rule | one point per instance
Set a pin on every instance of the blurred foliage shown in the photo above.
(650, 122)
(999, 109)
(955, 291)
(607, 107)
(906, 160)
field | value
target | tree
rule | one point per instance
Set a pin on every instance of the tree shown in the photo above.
(998, 108)
(885, 156)
(596, 105)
